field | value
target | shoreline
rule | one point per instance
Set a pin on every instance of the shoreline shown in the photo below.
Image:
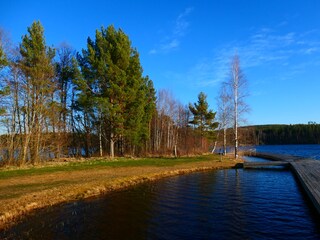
(78, 185)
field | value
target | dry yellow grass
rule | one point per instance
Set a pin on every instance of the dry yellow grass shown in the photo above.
(22, 194)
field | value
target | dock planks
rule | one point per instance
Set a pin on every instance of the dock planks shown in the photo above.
(265, 164)
(306, 170)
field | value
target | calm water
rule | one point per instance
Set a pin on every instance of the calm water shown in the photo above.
(224, 204)
(309, 151)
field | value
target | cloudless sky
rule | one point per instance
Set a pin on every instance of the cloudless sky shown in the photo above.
(186, 46)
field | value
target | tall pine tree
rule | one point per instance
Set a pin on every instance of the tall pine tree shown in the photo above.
(3, 62)
(38, 69)
(119, 95)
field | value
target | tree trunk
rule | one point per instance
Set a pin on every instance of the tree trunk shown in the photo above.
(111, 146)
(225, 141)
(100, 138)
(175, 151)
(236, 86)
(25, 149)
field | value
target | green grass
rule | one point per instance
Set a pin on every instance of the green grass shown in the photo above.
(98, 163)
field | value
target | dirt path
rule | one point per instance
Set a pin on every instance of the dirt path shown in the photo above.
(19, 195)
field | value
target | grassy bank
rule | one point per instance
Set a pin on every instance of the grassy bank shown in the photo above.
(34, 187)
(93, 163)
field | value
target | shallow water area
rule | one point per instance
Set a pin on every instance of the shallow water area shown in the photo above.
(223, 204)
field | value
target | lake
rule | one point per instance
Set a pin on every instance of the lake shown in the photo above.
(222, 204)
(307, 151)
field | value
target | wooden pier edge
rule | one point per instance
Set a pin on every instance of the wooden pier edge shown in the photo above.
(306, 170)
(307, 189)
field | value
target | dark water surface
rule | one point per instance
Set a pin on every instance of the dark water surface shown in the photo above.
(224, 204)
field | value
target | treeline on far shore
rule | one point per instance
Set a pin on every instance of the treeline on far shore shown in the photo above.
(280, 134)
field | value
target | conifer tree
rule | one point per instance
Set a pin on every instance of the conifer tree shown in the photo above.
(65, 69)
(203, 118)
(37, 67)
(3, 62)
(112, 80)
(149, 103)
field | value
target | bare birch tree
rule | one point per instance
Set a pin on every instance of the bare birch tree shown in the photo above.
(224, 113)
(238, 90)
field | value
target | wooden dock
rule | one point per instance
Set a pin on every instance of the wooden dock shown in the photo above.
(265, 164)
(306, 170)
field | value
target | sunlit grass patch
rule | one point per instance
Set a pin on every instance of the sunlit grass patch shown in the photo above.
(98, 163)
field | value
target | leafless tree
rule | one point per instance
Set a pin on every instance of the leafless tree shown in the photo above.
(165, 134)
(238, 90)
(224, 113)
(170, 132)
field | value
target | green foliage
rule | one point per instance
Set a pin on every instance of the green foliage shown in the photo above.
(36, 61)
(36, 64)
(66, 69)
(3, 59)
(203, 118)
(112, 86)
(6, 90)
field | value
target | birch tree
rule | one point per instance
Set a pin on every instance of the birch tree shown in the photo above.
(224, 113)
(237, 87)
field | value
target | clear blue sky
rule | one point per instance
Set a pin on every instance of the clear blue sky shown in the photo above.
(186, 46)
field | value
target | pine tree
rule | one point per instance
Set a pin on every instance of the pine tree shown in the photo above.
(3, 59)
(3, 62)
(65, 71)
(149, 103)
(203, 118)
(37, 67)
(112, 80)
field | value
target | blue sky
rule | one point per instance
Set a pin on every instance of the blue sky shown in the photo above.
(186, 46)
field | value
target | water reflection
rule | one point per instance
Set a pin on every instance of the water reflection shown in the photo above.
(226, 204)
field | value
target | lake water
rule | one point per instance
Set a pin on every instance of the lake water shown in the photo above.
(223, 204)
(308, 151)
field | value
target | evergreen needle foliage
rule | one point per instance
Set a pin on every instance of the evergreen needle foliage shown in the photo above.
(112, 91)
(203, 118)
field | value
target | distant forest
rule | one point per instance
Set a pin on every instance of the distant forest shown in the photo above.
(281, 134)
